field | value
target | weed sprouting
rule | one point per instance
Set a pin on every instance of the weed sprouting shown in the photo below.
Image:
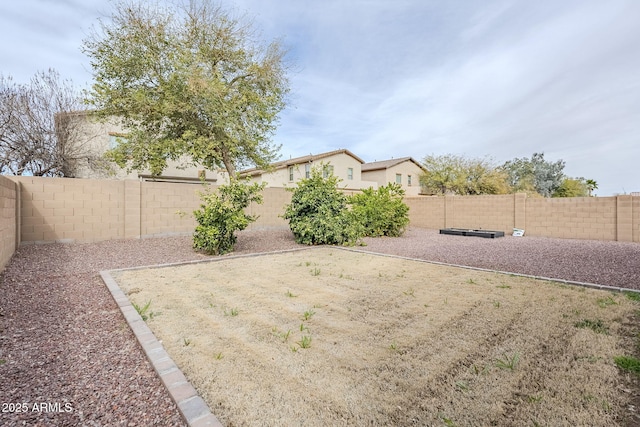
(411, 292)
(503, 287)
(218, 356)
(478, 370)
(596, 326)
(305, 341)
(606, 302)
(534, 398)
(462, 385)
(628, 363)
(307, 315)
(144, 310)
(231, 312)
(508, 362)
(290, 294)
(633, 296)
(315, 272)
(186, 342)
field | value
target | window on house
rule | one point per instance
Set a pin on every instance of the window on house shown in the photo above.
(349, 173)
(327, 171)
(290, 173)
(398, 178)
(307, 170)
(409, 180)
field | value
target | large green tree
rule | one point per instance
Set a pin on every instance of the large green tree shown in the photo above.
(187, 80)
(535, 174)
(456, 174)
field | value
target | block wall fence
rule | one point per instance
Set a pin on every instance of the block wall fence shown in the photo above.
(39, 210)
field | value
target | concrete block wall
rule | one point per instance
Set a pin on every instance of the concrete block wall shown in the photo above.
(635, 206)
(86, 210)
(167, 208)
(426, 212)
(480, 212)
(71, 210)
(9, 219)
(575, 218)
(596, 218)
(270, 211)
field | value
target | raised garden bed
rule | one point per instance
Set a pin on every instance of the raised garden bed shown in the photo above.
(489, 234)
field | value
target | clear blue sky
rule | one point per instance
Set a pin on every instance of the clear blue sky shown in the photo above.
(480, 78)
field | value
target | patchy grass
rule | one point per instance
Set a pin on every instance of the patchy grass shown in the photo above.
(436, 350)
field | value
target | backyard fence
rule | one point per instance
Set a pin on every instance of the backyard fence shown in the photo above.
(37, 210)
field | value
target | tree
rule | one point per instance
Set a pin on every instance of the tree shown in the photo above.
(591, 185)
(571, 187)
(455, 174)
(381, 212)
(38, 133)
(187, 80)
(318, 213)
(222, 213)
(535, 174)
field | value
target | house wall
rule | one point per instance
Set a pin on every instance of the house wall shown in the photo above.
(98, 138)
(385, 176)
(340, 162)
(9, 219)
(84, 210)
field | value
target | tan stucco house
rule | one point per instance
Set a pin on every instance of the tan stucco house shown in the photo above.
(341, 163)
(99, 137)
(404, 171)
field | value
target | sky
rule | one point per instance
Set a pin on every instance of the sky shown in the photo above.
(489, 79)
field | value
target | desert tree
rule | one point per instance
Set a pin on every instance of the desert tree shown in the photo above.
(572, 187)
(591, 185)
(456, 174)
(187, 81)
(535, 174)
(39, 134)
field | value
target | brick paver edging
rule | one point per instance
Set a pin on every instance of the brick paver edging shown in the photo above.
(192, 407)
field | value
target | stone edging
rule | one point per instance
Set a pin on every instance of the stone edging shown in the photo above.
(192, 407)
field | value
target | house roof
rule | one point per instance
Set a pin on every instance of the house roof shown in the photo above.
(386, 164)
(299, 160)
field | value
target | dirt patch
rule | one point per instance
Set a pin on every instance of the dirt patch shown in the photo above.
(327, 336)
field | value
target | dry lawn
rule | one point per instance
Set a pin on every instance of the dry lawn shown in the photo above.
(392, 341)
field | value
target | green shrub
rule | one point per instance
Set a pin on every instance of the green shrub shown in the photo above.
(222, 213)
(382, 212)
(318, 213)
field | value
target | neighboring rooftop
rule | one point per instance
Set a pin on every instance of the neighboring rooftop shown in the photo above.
(300, 160)
(386, 164)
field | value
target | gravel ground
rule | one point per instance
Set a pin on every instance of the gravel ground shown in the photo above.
(68, 358)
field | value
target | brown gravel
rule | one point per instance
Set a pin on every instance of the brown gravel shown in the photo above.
(64, 342)
(614, 264)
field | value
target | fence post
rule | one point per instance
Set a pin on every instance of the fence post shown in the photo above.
(132, 209)
(624, 218)
(520, 210)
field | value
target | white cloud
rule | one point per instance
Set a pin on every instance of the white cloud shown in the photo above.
(389, 79)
